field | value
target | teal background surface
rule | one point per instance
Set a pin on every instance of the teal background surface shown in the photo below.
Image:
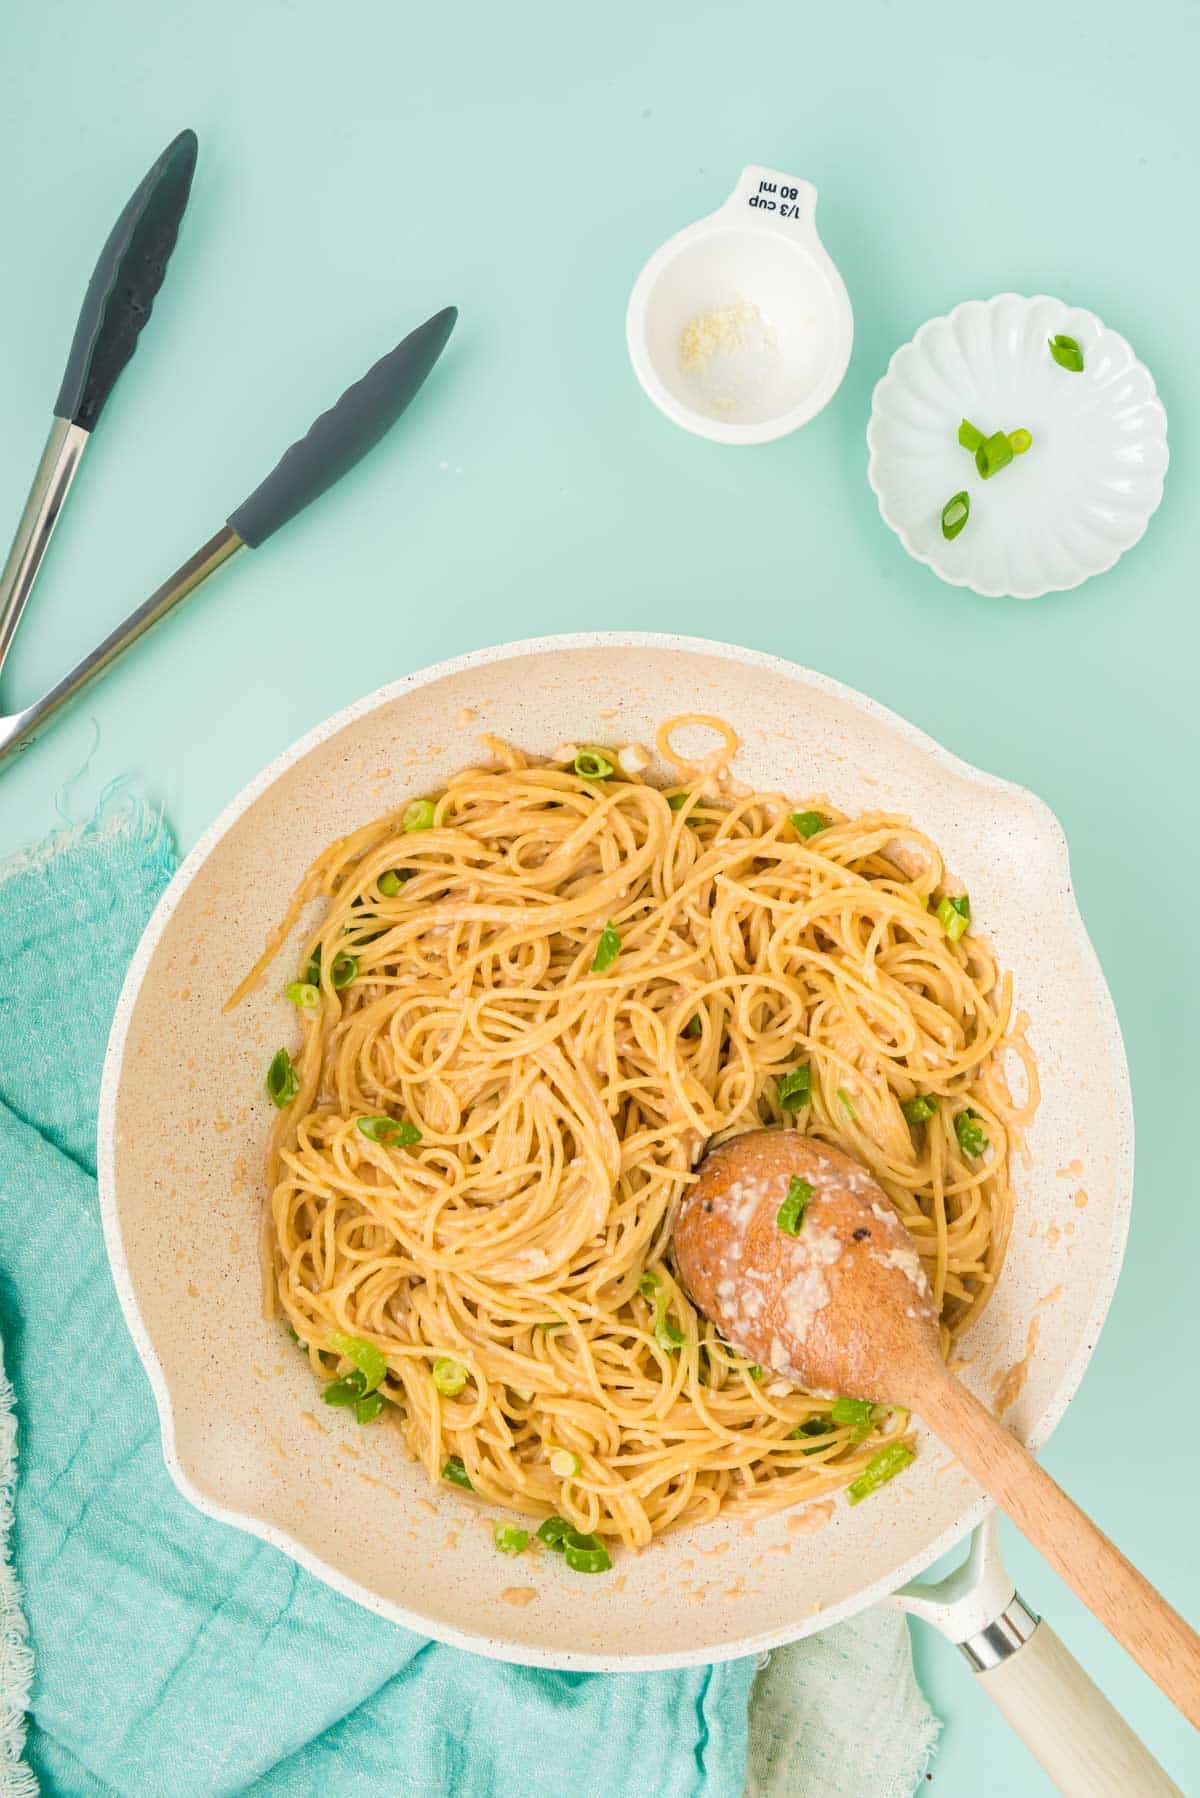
(361, 167)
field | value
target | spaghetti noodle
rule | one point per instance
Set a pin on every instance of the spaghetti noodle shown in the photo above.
(569, 985)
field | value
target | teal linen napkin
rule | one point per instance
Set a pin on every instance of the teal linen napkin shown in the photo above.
(173, 1655)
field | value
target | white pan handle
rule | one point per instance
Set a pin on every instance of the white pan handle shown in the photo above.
(1069, 1726)
(1037, 1685)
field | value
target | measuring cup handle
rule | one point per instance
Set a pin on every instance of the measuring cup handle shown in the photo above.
(774, 200)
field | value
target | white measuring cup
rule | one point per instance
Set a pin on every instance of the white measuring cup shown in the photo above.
(740, 327)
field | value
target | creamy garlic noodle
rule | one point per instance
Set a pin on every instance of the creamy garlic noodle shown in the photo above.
(568, 986)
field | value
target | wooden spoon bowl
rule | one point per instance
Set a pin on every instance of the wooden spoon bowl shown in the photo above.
(796, 1303)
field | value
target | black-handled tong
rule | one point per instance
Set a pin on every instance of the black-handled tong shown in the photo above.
(115, 309)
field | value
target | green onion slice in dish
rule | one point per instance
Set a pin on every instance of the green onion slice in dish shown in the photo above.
(858, 1413)
(393, 1133)
(346, 1391)
(954, 914)
(881, 1468)
(968, 1128)
(369, 1361)
(343, 970)
(955, 514)
(791, 1213)
(1066, 353)
(585, 1554)
(592, 764)
(449, 1376)
(418, 814)
(552, 1531)
(795, 1089)
(993, 454)
(283, 1082)
(607, 949)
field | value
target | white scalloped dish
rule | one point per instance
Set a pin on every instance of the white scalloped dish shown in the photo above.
(1074, 503)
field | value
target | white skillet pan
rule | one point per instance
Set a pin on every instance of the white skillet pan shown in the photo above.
(343, 1501)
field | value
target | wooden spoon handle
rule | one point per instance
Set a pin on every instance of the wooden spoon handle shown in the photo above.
(1128, 1606)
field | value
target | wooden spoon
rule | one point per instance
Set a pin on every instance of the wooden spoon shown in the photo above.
(844, 1307)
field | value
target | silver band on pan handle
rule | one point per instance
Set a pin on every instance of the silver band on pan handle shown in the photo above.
(1003, 1636)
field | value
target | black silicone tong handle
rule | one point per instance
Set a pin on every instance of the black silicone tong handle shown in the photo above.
(128, 275)
(344, 434)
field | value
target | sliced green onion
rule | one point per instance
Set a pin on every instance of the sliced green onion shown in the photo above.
(668, 1336)
(369, 1360)
(677, 801)
(795, 1089)
(846, 1104)
(564, 1463)
(1021, 441)
(590, 764)
(393, 1133)
(449, 1376)
(954, 914)
(607, 949)
(455, 1471)
(391, 881)
(343, 971)
(369, 1408)
(585, 1554)
(693, 1027)
(346, 1391)
(855, 1412)
(969, 435)
(993, 454)
(283, 1082)
(955, 514)
(552, 1329)
(303, 996)
(790, 1215)
(807, 824)
(296, 1339)
(1066, 353)
(812, 1426)
(552, 1532)
(972, 1137)
(510, 1540)
(418, 814)
(881, 1468)
(754, 1372)
(919, 1109)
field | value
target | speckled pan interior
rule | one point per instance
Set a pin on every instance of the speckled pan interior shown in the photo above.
(184, 1119)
